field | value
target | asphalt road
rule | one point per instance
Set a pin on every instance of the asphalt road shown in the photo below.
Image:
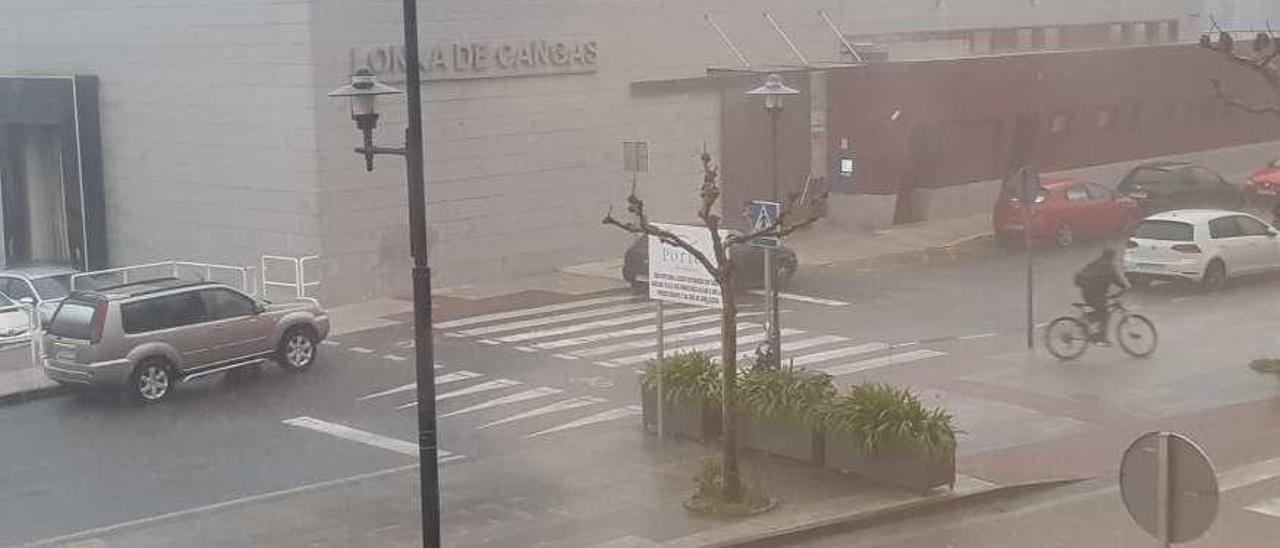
(541, 405)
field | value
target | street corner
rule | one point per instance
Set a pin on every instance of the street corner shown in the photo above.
(27, 384)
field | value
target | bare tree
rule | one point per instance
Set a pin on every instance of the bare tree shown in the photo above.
(1262, 60)
(722, 271)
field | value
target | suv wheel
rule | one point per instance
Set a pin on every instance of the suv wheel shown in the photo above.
(152, 381)
(297, 349)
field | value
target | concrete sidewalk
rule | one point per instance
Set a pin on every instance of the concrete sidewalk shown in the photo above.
(635, 501)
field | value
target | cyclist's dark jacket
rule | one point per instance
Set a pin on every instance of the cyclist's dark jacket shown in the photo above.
(1098, 276)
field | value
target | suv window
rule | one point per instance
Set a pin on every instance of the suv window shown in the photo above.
(15, 288)
(73, 320)
(223, 303)
(52, 288)
(1252, 227)
(1144, 178)
(164, 312)
(1164, 230)
(1204, 178)
(1224, 227)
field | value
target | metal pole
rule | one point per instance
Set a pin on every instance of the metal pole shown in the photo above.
(1162, 489)
(661, 355)
(1026, 244)
(771, 288)
(423, 345)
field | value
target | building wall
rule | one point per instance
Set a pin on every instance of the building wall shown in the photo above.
(207, 124)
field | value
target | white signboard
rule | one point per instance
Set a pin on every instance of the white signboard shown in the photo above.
(676, 276)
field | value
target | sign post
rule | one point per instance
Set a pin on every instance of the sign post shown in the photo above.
(1169, 487)
(764, 215)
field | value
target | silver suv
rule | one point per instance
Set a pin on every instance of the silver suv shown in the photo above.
(146, 336)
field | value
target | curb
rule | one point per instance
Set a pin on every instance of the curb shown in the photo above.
(37, 393)
(970, 247)
(853, 519)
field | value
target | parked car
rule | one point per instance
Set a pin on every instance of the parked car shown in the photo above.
(1265, 182)
(148, 335)
(41, 285)
(1204, 246)
(1164, 186)
(748, 265)
(1062, 211)
(15, 322)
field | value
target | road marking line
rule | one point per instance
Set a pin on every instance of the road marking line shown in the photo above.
(1178, 299)
(563, 405)
(108, 530)
(1249, 474)
(361, 350)
(612, 414)
(530, 312)
(645, 330)
(532, 393)
(440, 379)
(652, 343)
(641, 358)
(802, 298)
(327, 342)
(845, 352)
(473, 389)
(1269, 507)
(526, 349)
(882, 361)
(598, 324)
(406, 344)
(356, 435)
(978, 336)
(607, 364)
(559, 318)
(490, 342)
(394, 357)
(790, 346)
(564, 356)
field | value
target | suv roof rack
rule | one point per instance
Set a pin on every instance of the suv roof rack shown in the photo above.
(145, 287)
(238, 277)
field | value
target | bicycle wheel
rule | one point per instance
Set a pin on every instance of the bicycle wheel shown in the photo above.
(1136, 335)
(1066, 338)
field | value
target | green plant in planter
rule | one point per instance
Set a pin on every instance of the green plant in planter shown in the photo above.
(787, 394)
(884, 419)
(1265, 365)
(709, 494)
(686, 377)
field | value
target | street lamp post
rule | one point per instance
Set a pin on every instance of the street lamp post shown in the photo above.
(774, 91)
(362, 93)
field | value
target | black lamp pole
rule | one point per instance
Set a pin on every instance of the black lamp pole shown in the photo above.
(423, 344)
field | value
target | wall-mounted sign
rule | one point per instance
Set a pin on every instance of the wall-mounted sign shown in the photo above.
(467, 60)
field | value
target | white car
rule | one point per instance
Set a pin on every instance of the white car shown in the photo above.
(15, 322)
(1204, 246)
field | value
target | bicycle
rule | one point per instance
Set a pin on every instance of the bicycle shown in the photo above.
(1069, 336)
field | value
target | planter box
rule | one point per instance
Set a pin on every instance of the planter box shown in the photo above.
(783, 438)
(917, 472)
(694, 420)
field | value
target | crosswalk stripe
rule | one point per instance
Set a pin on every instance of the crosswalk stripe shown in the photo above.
(792, 346)
(563, 405)
(545, 320)
(624, 333)
(361, 436)
(531, 311)
(713, 345)
(839, 353)
(473, 389)
(440, 379)
(1269, 507)
(612, 414)
(651, 343)
(802, 298)
(532, 393)
(598, 324)
(882, 361)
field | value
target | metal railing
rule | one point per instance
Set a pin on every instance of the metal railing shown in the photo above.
(240, 277)
(300, 284)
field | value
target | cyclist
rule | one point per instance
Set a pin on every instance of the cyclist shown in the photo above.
(1094, 281)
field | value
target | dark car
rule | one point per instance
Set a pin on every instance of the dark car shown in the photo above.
(748, 265)
(1162, 186)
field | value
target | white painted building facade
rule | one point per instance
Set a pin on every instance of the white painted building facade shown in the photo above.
(219, 144)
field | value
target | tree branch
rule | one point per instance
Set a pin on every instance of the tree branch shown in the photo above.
(665, 236)
(1234, 103)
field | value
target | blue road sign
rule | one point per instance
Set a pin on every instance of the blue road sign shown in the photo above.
(764, 215)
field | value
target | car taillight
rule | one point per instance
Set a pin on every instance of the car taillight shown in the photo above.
(1131, 244)
(1186, 248)
(98, 321)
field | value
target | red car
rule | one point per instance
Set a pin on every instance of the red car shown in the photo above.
(1265, 182)
(1064, 210)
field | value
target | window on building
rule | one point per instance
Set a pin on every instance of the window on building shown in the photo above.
(1003, 40)
(1153, 32)
(1173, 30)
(1038, 40)
(635, 156)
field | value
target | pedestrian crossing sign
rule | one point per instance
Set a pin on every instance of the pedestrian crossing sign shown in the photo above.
(764, 215)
